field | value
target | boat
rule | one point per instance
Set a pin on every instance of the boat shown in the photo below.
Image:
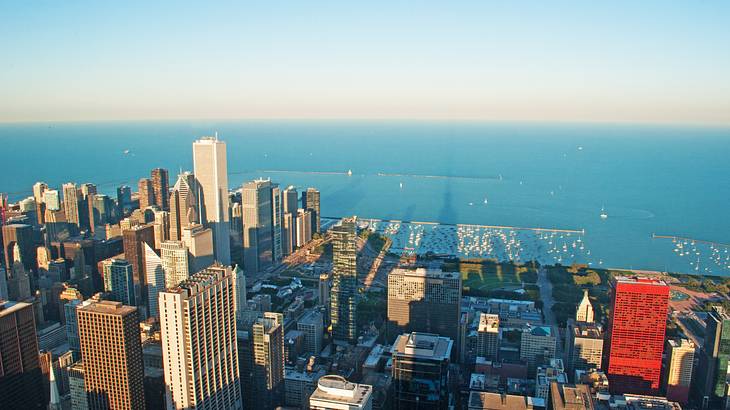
(604, 214)
(485, 201)
(401, 185)
(125, 152)
(349, 172)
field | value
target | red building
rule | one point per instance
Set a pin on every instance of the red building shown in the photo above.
(636, 335)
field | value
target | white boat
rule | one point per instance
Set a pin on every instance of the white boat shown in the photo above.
(125, 152)
(349, 172)
(604, 214)
(485, 201)
(401, 185)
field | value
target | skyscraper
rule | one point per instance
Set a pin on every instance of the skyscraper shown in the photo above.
(161, 188)
(310, 202)
(155, 276)
(112, 353)
(344, 281)
(336, 393)
(312, 325)
(715, 357)
(211, 175)
(636, 335)
(488, 336)
(678, 372)
(20, 373)
(276, 222)
(21, 234)
(267, 338)
(71, 204)
(133, 240)
(289, 219)
(421, 371)
(199, 242)
(584, 313)
(39, 189)
(538, 345)
(175, 262)
(583, 346)
(258, 249)
(201, 371)
(124, 198)
(52, 200)
(119, 280)
(183, 204)
(146, 193)
(304, 227)
(424, 300)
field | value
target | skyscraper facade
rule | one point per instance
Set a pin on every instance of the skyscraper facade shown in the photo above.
(289, 208)
(175, 262)
(20, 373)
(715, 358)
(211, 174)
(276, 222)
(183, 205)
(199, 241)
(119, 280)
(146, 193)
(21, 234)
(424, 300)
(636, 335)
(155, 279)
(133, 240)
(488, 336)
(267, 339)
(421, 371)
(112, 354)
(161, 188)
(343, 303)
(71, 204)
(201, 371)
(583, 346)
(310, 202)
(678, 371)
(258, 238)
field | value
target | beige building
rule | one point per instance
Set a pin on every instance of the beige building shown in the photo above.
(680, 361)
(110, 345)
(583, 347)
(585, 309)
(424, 300)
(538, 345)
(267, 338)
(570, 397)
(211, 175)
(488, 336)
(336, 393)
(199, 242)
(183, 204)
(200, 371)
(175, 264)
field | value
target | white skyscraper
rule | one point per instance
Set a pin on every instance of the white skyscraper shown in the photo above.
(175, 262)
(584, 313)
(211, 174)
(155, 276)
(201, 372)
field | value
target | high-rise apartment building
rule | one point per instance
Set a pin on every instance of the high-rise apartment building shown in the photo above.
(636, 335)
(112, 354)
(119, 280)
(146, 193)
(52, 199)
(267, 339)
(312, 325)
(199, 242)
(71, 204)
(424, 300)
(20, 373)
(289, 200)
(155, 279)
(276, 222)
(258, 242)
(175, 262)
(310, 202)
(124, 198)
(678, 370)
(336, 393)
(21, 234)
(538, 345)
(488, 336)
(183, 204)
(304, 227)
(200, 371)
(583, 347)
(715, 358)
(133, 240)
(211, 175)
(343, 302)
(161, 188)
(421, 371)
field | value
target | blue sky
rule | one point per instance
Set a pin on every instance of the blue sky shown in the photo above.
(548, 61)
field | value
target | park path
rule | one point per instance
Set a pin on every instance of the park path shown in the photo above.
(546, 295)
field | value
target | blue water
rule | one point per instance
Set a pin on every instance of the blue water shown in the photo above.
(650, 179)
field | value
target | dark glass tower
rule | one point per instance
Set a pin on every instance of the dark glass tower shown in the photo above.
(344, 281)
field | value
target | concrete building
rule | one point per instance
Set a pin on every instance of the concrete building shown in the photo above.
(119, 280)
(488, 336)
(299, 386)
(161, 188)
(175, 262)
(343, 304)
(479, 400)
(325, 283)
(199, 242)
(258, 240)
(583, 347)
(304, 227)
(570, 397)
(276, 223)
(554, 372)
(336, 393)
(584, 313)
(424, 300)
(267, 341)
(183, 205)
(20, 373)
(71, 204)
(21, 234)
(680, 355)
(145, 193)
(155, 275)
(77, 391)
(421, 371)
(312, 325)
(134, 239)
(200, 371)
(538, 345)
(211, 174)
(52, 200)
(714, 360)
(310, 202)
(111, 330)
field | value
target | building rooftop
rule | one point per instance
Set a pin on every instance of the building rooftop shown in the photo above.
(425, 345)
(571, 397)
(10, 307)
(488, 323)
(337, 389)
(198, 281)
(641, 280)
(434, 273)
(587, 330)
(312, 317)
(107, 307)
(539, 330)
(497, 401)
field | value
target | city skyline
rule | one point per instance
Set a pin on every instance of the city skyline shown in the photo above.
(569, 61)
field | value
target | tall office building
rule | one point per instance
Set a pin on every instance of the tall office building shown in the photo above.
(310, 202)
(21, 234)
(336, 393)
(258, 243)
(267, 339)
(538, 345)
(199, 242)
(39, 188)
(71, 204)
(312, 325)
(18, 280)
(124, 198)
(146, 193)
(421, 371)
(86, 207)
(112, 354)
(20, 373)
(239, 278)
(304, 227)
(679, 367)
(161, 227)
(424, 300)
(52, 199)
(636, 335)
(276, 222)
(325, 284)
(175, 262)
(183, 204)
(488, 336)
(583, 347)
(161, 188)
(155, 279)
(584, 313)
(133, 240)
(102, 208)
(77, 391)
(211, 175)
(119, 280)
(715, 357)
(289, 201)
(343, 302)
(201, 371)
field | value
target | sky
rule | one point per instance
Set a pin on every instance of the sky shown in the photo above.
(619, 61)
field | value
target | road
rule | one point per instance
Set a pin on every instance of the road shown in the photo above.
(546, 295)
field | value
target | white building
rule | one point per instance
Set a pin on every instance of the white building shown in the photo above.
(175, 263)
(211, 174)
(336, 393)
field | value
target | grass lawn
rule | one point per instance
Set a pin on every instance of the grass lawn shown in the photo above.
(487, 276)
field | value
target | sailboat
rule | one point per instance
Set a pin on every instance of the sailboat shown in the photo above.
(604, 215)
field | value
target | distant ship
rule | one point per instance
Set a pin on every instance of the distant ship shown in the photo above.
(349, 172)
(604, 215)
(485, 201)
(125, 152)
(401, 185)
